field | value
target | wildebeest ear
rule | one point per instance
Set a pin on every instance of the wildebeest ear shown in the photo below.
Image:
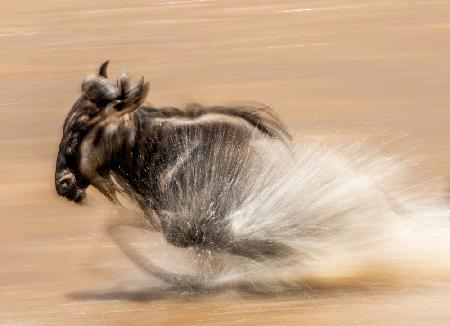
(102, 71)
(134, 96)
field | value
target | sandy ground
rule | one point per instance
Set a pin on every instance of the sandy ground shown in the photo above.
(341, 65)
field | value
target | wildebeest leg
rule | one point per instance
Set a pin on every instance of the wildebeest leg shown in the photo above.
(180, 280)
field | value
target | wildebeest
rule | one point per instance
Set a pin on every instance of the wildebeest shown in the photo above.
(185, 168)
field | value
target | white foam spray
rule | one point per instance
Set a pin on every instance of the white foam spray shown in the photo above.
(348, 215)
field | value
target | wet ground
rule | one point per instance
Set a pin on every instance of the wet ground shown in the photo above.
(370, 66)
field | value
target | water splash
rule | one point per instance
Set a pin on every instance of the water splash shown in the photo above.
(321, 213)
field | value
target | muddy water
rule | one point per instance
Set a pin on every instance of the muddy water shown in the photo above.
(371, 66)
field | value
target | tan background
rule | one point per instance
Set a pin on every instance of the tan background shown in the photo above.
(339, 65)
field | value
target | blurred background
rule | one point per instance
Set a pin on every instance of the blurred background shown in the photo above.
(340, 65)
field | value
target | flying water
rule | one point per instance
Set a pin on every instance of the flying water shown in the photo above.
(318, 212)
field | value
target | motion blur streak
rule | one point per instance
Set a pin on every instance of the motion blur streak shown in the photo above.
(353, 69)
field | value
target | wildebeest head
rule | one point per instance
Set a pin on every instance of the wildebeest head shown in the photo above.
(99, 100)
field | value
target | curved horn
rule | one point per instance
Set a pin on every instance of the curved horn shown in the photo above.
(102, 71)
(138, 93)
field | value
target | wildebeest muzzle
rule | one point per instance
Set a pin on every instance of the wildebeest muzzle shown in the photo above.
(66, 186)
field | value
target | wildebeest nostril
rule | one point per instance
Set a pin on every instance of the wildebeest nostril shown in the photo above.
(66, 183)
(67, 186)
